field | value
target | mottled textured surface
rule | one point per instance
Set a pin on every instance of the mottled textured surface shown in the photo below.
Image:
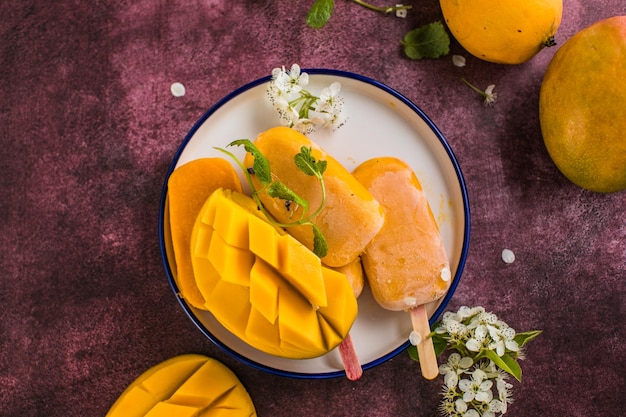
(88, 128)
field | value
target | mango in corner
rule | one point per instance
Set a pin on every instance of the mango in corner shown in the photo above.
(263, 285)
(185, 386)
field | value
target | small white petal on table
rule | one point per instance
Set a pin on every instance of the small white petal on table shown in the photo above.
(508, 256)
(177, 89)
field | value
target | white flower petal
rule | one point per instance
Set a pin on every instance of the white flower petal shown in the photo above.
(458, 60)
(460, 406)
(484, 396)
(466, 362)
(451, 379)
(473, 345)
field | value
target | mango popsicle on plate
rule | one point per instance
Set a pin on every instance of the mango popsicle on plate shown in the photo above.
(406, 264)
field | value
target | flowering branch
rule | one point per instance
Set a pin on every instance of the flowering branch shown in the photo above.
(298, 108)
(488, 95)
(386, 9)
(485, 350)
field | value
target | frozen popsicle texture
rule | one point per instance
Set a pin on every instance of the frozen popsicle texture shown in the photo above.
(186, 386)
(350, 218)
(263, 285)
(406, 264)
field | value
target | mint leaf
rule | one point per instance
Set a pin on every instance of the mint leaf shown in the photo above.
(320, 13)
(307, 163)
(279, 190)
(429, 41)
(320, 247)
(261, 164)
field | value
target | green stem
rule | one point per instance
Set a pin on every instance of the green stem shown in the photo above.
(470, 85)
(385, 10)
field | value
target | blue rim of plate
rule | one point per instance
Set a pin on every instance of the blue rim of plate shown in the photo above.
(445, 300)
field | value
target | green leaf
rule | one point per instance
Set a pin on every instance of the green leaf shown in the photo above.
(320, 13)
(429, 41)
(261, 164)
(320, 247)
(506, 363)
(525, 337)
(307, 164)
(439, 342)
(279, 190)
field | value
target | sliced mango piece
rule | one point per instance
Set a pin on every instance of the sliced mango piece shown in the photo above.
(188, 187)
(264, 285)
(188, 386)
(295, 262)
(232, 263)
(284, 305)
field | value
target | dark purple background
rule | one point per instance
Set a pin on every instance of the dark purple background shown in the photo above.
(89, 126)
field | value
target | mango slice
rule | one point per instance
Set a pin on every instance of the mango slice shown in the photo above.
(263, 285)
(188, 187)
(185, 386)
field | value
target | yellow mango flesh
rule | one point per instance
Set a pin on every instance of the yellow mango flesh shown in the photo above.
(355, 275)
(274, 294)
(188, 188)
(350, 218)
(187, 386)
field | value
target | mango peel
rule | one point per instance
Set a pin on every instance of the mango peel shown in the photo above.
(263, 285)
(188, 188)
(186, 386)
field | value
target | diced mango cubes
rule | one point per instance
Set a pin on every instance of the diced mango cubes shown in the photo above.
(187, 386)
(264, 286)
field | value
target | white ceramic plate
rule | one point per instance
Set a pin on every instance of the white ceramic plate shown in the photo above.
(381, 122)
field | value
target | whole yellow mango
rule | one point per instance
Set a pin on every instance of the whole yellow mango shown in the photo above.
(185, 386)
(503, 31)
(263, 285)
(582, 107)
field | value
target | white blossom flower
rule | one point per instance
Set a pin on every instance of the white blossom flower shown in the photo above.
(477, 388)
(479, 340)
(466, 312)
(290, 82)
(300, 109)
(502, 339)
(489, 97)
(455, 366)
(504, 391)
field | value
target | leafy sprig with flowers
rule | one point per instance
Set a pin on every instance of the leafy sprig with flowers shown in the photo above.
(298, 107)
(485, 353)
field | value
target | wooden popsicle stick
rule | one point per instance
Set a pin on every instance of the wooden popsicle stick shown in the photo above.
(425, 348)
(350, 359)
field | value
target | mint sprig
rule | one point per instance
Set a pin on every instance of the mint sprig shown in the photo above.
(322, 10)
(319, 14)
(428, 41)
(306, 163)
